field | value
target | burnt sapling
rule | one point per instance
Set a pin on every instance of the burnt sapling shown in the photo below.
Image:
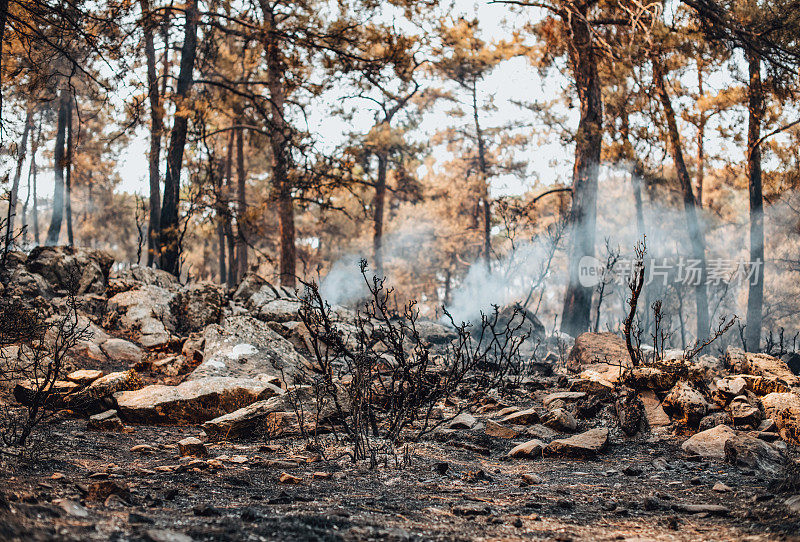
(376, 377)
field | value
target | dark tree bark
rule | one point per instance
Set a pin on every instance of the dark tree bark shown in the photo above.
(156, 128)
(3, 19)
(169, 237)
(241, 237)
(68, 170)
(701, 134)
(57, 217)
(588, 140)
(33, 173)
(279, 134)
(485, 203)
(696, 235)
(378, 205)
(755, 295)
(13, 196)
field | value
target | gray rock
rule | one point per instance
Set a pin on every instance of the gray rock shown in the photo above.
(196, 306)
(144, 314)
(71, 269)
(754, 453)
(245, 347)
(122, 351)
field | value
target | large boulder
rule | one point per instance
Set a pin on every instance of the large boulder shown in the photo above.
(137, 276)
(245, 347)
(599, 355)
(192, 401)
(710, 443)
(196, 306)
(71, 269)
(751, 452)
(144, 314)
(273, 304)
(784, 408)
(120, 350)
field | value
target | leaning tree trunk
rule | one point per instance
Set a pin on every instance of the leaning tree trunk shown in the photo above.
(68, 184)
(156, 127)
(12, 199)
(588, 140)
(169, 237)
(279, 143)
(378, 205)
(755, 296)
(696, 235)
(57, 217)
(241, 208)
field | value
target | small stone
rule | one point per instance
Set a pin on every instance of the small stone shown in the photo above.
(465, 420)
(143, 449)
(57, 476)
(522, 417)
(560, 420)
(530, 479)
(288, 479)
(84, 376)
(205, 510)
(192, 447)
(721, 488)
(441, 467)
(710, 509)
(106, 421)
(166, 535)
(587, 444)
(494, 429)
(72, 508)
(101, 491)
(319, 475)
(531, 449)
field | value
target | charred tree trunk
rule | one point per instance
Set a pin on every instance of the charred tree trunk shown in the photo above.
(3, 19)
(241, 238)
(279, 134)
(755, 295)
(12, 199)
(701, 134)
(57, 217)
(68, 183)
(485, 203)
(378, 211)
(226, 213)
(169, 236)
(35, 203)
(156, 128)
(583, 213)
(696, 235)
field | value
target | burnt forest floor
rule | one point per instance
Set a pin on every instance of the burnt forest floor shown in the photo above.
(461, 489)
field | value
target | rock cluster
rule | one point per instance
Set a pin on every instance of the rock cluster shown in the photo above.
(232, 362)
